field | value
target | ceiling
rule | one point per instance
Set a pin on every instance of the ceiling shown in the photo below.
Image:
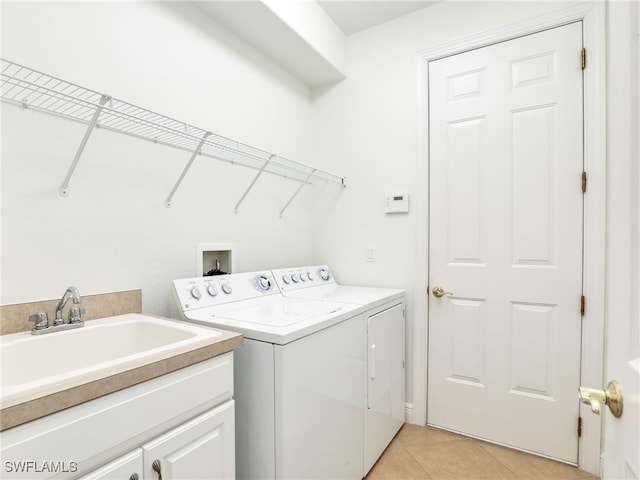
(274, 29)
(352, 16)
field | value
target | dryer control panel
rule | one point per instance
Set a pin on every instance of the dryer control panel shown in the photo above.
(302, 277)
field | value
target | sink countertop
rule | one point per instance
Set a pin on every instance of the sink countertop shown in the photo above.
(49, 399)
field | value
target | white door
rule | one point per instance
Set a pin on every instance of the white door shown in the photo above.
(202, 448)
(621, 436)
(505, 242)
(621, 446)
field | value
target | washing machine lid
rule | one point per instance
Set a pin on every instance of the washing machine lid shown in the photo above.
(274, 318)
(370, 296)
(278, 312)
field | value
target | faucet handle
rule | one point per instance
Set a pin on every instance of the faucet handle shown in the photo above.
(75, 314)
(41, 320)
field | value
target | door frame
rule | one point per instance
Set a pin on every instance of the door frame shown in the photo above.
(592, 14)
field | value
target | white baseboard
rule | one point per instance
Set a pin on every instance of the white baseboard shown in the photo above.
(408, 412)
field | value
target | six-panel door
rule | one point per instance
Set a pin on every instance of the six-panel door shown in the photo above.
(506, 230)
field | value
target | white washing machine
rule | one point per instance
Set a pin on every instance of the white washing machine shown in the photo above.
(384, 320)
(299, 377)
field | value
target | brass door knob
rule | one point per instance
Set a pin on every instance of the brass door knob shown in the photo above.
(610, 396)
(439, 292)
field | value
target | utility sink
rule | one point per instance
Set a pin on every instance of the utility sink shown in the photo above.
(35, 365)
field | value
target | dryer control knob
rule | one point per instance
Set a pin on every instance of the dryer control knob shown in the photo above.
(295, 278)
(264, 283)
(310, 276)
(324, 274)
(212, 290)
(226, 288)
(286, 279)
(196, 293)
(303, 277)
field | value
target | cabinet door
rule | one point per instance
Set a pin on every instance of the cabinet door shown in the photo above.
(203, 448)
(127, 467)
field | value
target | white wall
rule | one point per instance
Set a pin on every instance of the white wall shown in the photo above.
(367, 127)
(113, 232)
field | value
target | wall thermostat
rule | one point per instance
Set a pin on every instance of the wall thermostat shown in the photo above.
(396, 203)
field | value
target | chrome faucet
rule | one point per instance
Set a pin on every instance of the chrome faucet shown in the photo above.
(71, 292)
(41, 320)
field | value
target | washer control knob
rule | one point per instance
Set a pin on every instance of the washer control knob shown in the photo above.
(310, 276)
(303, 277)
(212, 290)
(196, 293)
(295, 278)
(286, 279)
(226, 288)
(324, 274)
(264, 283)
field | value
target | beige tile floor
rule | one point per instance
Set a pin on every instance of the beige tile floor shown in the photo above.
(425, 453)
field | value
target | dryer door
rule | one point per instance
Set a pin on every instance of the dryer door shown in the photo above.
(385, 381)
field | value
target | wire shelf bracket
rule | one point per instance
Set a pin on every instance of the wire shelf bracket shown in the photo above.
(295, 194)
(64, 188)
(36, 90)
(253, 182)
(186, 169)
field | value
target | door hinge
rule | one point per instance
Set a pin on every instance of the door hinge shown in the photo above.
(583, 303)
(583, 58)
(584, 182)
(579, 426)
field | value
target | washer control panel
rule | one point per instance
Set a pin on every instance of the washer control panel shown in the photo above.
(201, 292)
(302, 277)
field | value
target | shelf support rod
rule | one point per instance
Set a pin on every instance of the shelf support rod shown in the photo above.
(186, 168)
(253, 182)
(302, 184)
(64, 188)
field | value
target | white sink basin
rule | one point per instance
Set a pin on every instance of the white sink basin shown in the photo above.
(46, 363)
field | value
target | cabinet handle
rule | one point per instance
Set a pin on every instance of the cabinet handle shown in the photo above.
(157, 468)
(134, 476)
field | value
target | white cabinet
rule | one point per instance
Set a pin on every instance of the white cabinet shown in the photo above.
(127, 467)
(202, 448)
(184, 419)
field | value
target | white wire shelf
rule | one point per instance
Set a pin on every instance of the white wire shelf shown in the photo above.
(39, 91)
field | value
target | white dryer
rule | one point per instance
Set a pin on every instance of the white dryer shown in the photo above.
(299, 376)
(384, 312)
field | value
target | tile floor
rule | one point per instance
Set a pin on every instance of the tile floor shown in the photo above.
(425, 453)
